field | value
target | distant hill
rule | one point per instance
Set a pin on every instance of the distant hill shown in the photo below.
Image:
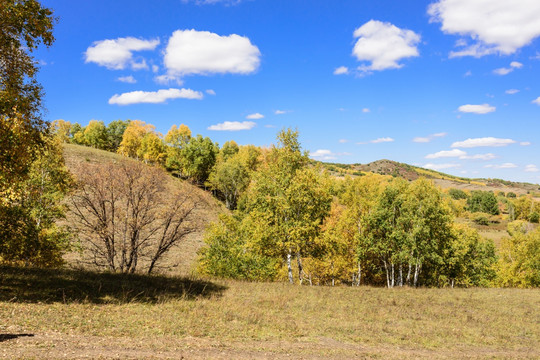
(410, 172)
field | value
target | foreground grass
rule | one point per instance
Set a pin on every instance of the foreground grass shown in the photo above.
(446, 320)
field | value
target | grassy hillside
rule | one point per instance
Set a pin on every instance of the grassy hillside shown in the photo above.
(180, 260)
(409, 172)
(71, 314)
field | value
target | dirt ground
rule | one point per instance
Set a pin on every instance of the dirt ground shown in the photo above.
(66, 346)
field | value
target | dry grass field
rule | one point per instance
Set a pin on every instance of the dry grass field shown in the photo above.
(78, 315)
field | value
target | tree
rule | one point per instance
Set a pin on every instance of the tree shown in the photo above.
(62, 130)
(24, 25)
(95, 135)
(115, 132)
(152, 149)
(199, 156)
(133, 137)
(176, 139)
(127, 216)
(483, 201)
(29, 233)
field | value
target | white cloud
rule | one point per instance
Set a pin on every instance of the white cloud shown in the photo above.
(255, 116)
(281, 112)
(127, 79)
(167, 79)
(493, 26)
(468, 73)
(341, 70)
(483, 142)
(384, 45)
(502, 166)
(516, 64)
(536, 101)
(366, 110)
(512, 91)
(343, 141)
(531, 168)
(525, 143)
(203, 53)
(428, 138)
(155, 68)
(505, 71)
(476, 109)
(484, 157)
(117, 54)
(233, 126)
(323, 154)
(382, 140)
(210, 92)
(446, 154)
(441, 166)
(154, 97)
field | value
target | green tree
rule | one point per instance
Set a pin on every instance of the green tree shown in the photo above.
(115, 132)
(519, 263)
(483, 201)
(24, 25)
(199, 156)
(95, 135)
(176, 139)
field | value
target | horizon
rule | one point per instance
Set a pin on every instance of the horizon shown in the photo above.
(434, 84)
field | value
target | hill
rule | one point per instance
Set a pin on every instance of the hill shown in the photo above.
(178, 261)
(410, 172)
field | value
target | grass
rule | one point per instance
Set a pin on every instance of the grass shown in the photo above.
(259, 315)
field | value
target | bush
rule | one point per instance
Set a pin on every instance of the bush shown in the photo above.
(534, 217)
(511, 195)
(457, 194)
(481, 219)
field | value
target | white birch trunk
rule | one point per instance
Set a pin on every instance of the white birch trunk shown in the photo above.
(289, 267)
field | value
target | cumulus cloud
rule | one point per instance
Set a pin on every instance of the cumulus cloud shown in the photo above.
(191, 52)
(446, 154)
(512, 91)
(280, 112)
(506, 71)
(492, 26)
(255, 116)
(484, 157)
(117, 54)
(476, 109)
(383, 45)
(377, 141)
(341, 70)
(483, 142)
(536, 101)
(233, 126)
(210, 92)
(127, 79)
(441, 166)
(531, 168)
(428, 138)
(154, 97)
(501, 166)
(323, 154)
(525, 143)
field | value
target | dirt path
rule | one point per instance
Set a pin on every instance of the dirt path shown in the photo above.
(65, 346)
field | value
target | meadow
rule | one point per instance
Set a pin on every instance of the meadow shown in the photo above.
(75, 314)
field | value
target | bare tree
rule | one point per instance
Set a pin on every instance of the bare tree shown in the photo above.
(128, 214)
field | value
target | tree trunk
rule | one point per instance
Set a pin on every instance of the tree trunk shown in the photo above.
(408, 281)
(417, 272)
(300, 268)
(400, 275)
(387, 275)
(359, 274)
(289, 256)
(392, 267)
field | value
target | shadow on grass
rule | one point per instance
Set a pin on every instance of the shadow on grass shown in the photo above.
(6, 337)
(29, 285)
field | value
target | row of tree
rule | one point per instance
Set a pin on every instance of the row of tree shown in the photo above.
(367, 230)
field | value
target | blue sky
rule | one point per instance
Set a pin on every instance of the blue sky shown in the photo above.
(445, 84)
